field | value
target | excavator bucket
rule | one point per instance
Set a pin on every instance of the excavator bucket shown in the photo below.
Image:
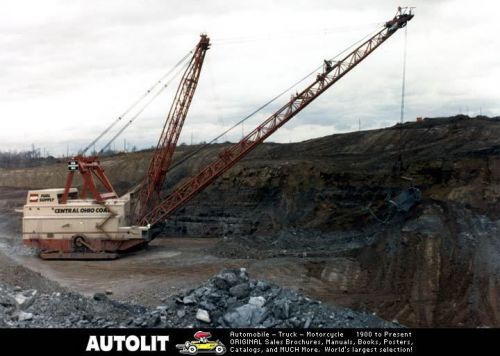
(405, 200)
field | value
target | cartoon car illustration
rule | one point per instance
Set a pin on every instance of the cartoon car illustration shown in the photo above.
(202, 345)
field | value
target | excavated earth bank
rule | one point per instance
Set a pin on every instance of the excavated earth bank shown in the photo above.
(303, 207)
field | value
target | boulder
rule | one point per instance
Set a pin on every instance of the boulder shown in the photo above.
(240, 291)
(203, 315)
(189, 300)
(226, 279)
(23, 316)
(257, 301)
(247, 315)
(25, 299)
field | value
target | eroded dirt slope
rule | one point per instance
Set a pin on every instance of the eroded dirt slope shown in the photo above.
(435, 266)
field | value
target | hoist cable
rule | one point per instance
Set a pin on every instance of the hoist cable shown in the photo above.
(141, 110)
(289, 34)
(195, 152)
(403, 85)
(140, 99)
(401, 119)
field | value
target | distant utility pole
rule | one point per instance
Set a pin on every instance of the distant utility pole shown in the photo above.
(359, 124)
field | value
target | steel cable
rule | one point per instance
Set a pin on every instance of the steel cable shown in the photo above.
(190, 155)
(140, 99)
(141, 110)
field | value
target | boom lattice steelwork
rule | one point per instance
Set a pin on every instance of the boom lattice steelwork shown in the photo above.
(162, 157)
(64, 224)
(332, 72)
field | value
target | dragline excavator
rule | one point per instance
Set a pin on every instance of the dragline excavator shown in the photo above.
(96, 223)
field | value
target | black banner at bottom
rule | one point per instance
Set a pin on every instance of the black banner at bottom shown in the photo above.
(250, 341)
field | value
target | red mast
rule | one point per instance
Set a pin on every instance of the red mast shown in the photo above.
(162, 156)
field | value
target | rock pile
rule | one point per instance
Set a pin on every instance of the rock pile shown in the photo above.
(229, 299)
(64, 309)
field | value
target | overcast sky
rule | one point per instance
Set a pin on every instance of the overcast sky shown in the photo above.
(69, 68)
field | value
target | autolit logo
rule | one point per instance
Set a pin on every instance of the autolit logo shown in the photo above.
(202, 344)
(130, 343)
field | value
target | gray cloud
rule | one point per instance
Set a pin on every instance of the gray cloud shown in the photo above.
(68, 68)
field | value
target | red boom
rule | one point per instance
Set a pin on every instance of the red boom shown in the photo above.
(162, 157)
(332, 72)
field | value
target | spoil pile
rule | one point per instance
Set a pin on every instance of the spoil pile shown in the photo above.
(63, 309)
(229, 299)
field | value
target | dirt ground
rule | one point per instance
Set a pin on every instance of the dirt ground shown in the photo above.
(296, 214)
(405, 273)
(168, 264)
(176, 264)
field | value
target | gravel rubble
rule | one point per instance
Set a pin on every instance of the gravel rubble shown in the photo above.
(229, 299)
